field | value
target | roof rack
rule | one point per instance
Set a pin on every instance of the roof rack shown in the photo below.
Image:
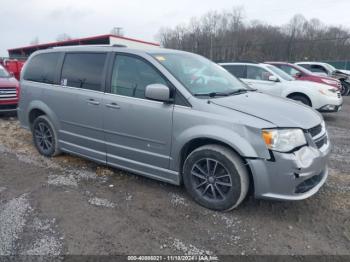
(79, 46)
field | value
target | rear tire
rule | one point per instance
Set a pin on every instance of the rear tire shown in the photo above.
(301, 98)
(216, 177)
(45, 137)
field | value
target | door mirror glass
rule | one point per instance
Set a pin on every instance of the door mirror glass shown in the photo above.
(158, 92)
(297, 75)
(273, 78)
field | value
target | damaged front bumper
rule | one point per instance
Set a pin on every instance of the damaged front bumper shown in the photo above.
(292, 176)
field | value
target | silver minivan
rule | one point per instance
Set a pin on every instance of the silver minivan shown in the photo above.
(175, 117)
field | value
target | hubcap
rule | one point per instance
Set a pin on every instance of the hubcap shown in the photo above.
(43, 136)
(211, 179)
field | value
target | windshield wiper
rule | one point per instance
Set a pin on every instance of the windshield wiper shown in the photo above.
(212, 94)
(236, 92)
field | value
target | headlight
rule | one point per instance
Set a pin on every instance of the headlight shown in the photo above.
(329, 82)
(328, 92)
(283, 140)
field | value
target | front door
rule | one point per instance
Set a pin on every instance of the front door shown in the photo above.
(258, 78)
(138, 131)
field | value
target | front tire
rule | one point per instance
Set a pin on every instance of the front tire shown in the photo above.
(216, 177)
(44, 137)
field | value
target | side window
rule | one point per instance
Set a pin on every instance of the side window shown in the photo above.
(42, 68)
(131, 75)
(83, 70)
(318, 69)
(290, 70)
(236, 70)
(257, 73)
(306, 66)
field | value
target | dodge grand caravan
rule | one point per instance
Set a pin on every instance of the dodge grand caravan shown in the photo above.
(176, 117)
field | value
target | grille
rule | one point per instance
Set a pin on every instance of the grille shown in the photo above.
(320, 143)
(319, 135)
(7, 93)
(315, 130)
(339, 95)
(309, 184)
(8, 107)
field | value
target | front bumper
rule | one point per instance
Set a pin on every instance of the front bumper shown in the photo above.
(330, 104)
(10, 108)
(330, 109)
(291, 176)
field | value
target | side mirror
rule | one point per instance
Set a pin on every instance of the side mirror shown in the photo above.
(273, 78)
(158, 92)
(298, 75)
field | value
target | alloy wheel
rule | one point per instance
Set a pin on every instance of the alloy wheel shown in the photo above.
(43, 136)
(211, 179)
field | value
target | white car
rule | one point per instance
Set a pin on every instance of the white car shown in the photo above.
(318, 68)
(272, 80)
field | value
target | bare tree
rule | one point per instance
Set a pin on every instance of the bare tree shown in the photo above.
(63, 37)
(35, 41)
(228, 36)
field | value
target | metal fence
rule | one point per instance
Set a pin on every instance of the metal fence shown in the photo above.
(340, 64)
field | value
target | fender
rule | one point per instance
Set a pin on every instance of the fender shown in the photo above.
(230, 137)
(36, 104)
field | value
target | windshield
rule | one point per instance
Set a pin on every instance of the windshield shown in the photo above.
(303, 69)
(4, 73)
(330, 67)
(280, 73)
(200, 75)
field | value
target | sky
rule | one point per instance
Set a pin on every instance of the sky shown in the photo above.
(21, 21)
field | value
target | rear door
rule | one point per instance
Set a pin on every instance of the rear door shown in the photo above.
(138, 131)
(257, 78)
(78, 104)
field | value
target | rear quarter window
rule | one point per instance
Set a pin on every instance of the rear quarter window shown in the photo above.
(42, 68)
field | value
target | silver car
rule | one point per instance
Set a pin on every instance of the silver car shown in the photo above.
(175, 117)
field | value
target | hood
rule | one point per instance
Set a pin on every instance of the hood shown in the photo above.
(328, 78)
(8, 82)
(347, 72)
(278, 111)
(308, 84)
(341, 72)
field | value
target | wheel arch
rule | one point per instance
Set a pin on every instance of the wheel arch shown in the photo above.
(195, 143)
(300, 94)
(38, 108)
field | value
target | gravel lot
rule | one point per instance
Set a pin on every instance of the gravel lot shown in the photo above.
(67, 205)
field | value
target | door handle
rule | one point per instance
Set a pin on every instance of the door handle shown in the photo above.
(93, 102)
(113, 105)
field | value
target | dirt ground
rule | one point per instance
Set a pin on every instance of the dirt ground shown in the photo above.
(67, 205)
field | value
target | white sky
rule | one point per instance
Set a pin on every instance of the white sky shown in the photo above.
(23, 20)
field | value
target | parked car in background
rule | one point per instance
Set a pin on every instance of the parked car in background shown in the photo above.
(272, 80)
(14, 67)
(176, 117)
(9, 92)
(324, 69)
(301, 73)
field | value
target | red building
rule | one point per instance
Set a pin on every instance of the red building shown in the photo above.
(109, 39)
